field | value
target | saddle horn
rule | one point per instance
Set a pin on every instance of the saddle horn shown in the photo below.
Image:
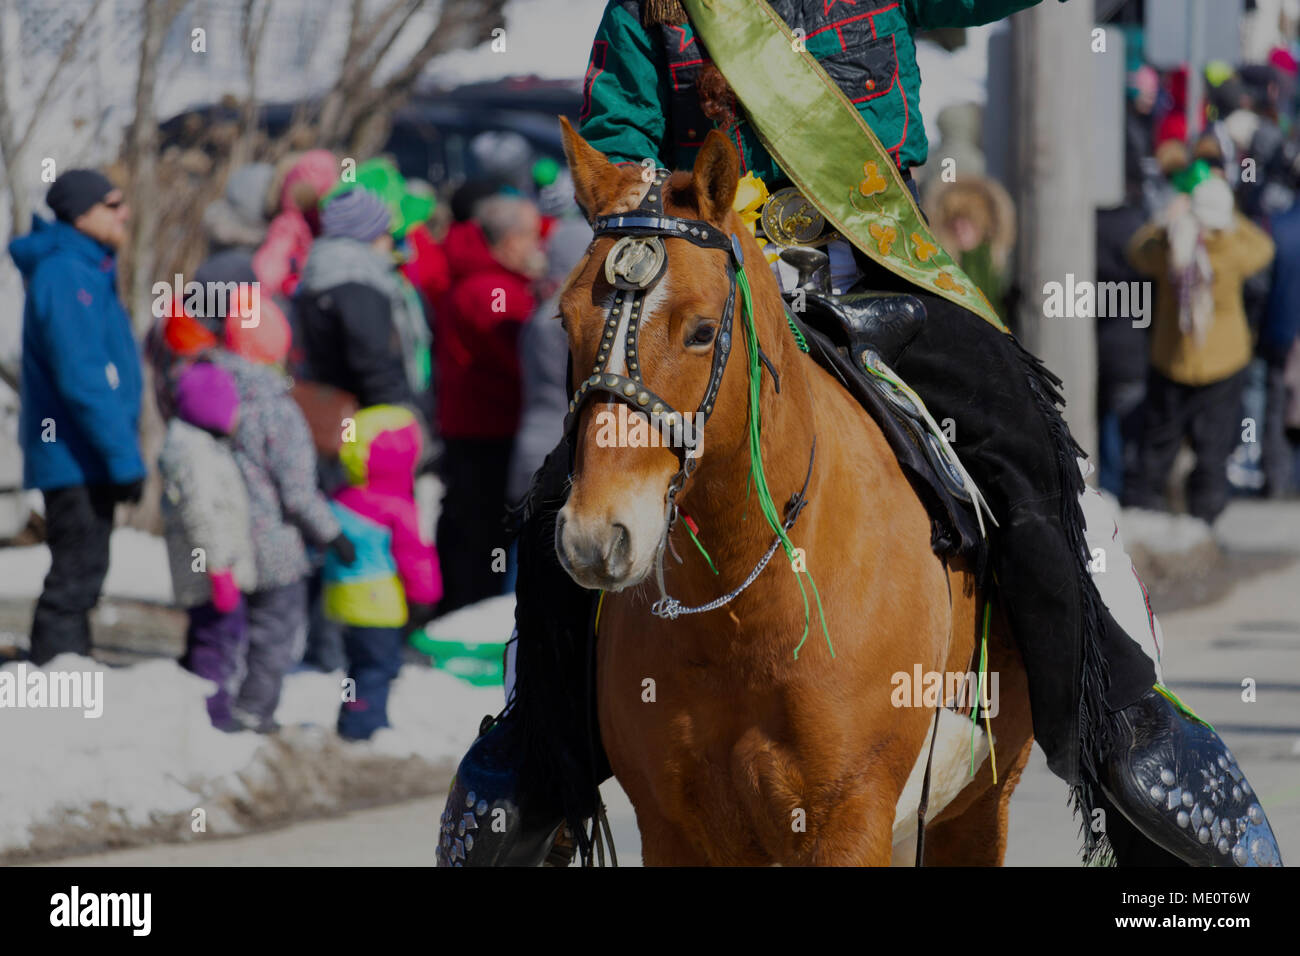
(813, 266)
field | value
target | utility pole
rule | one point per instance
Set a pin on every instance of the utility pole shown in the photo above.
(1052, 79)
(1195, 67)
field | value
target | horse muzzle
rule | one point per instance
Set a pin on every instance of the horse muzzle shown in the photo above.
(596, 555)
(607, 554)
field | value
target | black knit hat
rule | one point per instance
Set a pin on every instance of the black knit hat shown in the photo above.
(76, 191)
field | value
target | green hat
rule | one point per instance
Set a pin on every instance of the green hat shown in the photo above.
(1216, 71)
(1191, 177)
(545, 170)
(381, 177)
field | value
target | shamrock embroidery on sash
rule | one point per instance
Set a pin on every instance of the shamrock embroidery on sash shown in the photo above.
(946, 282)
(885, 237)
(872, 180)
(924, 248)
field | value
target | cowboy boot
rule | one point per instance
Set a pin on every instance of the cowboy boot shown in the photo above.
(1173, 778)
(487, 821)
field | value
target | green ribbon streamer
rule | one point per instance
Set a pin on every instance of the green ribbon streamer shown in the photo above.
(979, 690)
(757, 472)
(1173, 699)
(691, 532)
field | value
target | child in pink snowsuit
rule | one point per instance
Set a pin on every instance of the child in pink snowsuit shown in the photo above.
(391, 587)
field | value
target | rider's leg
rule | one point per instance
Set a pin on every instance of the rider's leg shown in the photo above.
(1154, 761)
(969, 372)
(539, 764)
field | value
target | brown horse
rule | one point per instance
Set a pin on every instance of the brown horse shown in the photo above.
(731, 749)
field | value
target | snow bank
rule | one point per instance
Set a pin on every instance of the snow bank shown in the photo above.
(138, 773)
(490, 621)
(1165, 533)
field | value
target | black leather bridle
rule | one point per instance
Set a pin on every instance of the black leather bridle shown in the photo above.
(635, 265)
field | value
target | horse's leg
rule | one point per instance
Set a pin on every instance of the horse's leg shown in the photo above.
(860, 830)
(663, 844)
(978, 836)
(973, 830)
(799, 820)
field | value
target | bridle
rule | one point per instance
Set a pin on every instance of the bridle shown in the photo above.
(634, 265)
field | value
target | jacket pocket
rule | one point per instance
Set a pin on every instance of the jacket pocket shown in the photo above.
(866, 69)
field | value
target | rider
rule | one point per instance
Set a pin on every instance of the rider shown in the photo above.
(1118, 737)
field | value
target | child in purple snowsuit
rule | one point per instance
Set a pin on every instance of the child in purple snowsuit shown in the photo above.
(205, 512)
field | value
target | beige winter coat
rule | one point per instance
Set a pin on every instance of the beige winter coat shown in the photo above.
(1234, 255)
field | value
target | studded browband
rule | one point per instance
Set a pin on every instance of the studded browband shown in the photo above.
(634, 265)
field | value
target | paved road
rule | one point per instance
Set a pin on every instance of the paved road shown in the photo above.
(1252, 633)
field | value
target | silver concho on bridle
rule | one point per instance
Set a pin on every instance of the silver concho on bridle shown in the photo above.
(635, 262)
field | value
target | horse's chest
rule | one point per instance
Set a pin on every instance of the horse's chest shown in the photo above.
(690, 744)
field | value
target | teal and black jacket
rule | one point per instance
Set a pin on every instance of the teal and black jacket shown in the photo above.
(640, 97)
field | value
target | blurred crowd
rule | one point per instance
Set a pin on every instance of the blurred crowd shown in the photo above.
(1210, 217)
(350, 330)
(379, 331)
(1210, 221)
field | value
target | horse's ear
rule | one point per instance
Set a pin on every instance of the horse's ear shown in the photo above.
(596, 181)
(716, 173)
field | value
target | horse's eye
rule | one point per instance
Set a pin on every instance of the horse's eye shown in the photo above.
(703, 334)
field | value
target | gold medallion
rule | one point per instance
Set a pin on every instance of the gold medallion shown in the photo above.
(791, 220)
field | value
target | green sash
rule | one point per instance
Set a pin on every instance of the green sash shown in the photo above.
(826, 147)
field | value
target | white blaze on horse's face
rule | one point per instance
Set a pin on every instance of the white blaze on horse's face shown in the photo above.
(611, 541)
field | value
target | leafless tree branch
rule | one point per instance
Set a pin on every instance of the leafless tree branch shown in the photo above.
(362, 115)
(66, 56)
(381, 50)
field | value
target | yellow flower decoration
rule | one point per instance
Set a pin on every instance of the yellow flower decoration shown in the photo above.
(873, 182)
(751, 194)
(946, 282)
(924, 248)
(885, 236)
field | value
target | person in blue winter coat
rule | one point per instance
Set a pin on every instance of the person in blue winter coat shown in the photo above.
(80, 398)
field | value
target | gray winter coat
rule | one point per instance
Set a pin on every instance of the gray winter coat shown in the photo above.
(543, 351)
(275, 453)
(204, 506)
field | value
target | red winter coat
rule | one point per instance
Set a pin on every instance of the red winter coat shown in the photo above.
(476, 328)
(427, 267)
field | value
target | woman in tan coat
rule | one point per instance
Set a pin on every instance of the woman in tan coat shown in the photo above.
(1199, 251)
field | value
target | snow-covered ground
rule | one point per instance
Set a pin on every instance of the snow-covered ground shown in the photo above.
(138, 773)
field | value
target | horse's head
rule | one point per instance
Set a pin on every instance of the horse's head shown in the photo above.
(650, 329)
